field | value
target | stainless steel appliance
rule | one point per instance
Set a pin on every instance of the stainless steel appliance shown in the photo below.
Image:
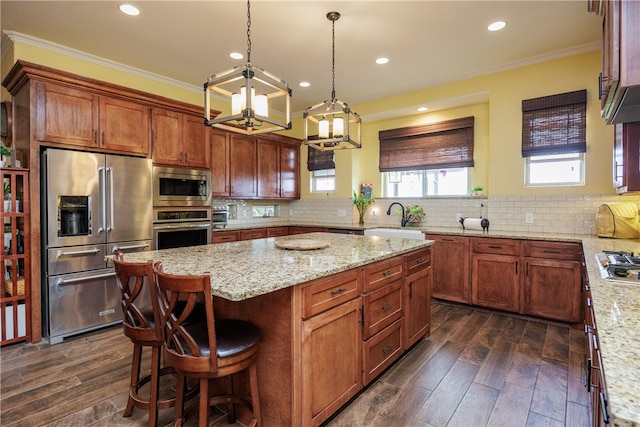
(181, 187)
(619, 266)
(93, 204)
(219, 217)
(176, 228)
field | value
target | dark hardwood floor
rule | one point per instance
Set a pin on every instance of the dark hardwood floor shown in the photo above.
(478, 368)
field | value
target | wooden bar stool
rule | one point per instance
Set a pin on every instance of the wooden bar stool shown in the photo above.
(205, 350)
(143, 330)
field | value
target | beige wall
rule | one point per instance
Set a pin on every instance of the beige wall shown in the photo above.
(498, 162)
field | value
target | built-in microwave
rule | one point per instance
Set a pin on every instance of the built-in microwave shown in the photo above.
(181, 187)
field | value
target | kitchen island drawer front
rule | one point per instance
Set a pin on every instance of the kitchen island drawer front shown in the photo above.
(382, 350)
(328, 293)
(554, 250)
(495, 246)
(382, 308)
(382, 273)
(417, 261)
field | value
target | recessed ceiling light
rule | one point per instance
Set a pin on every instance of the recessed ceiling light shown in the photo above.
(382, 60)
(495, 26)
(304, 84)
(421, 109)
(129, 9)
(236, 55)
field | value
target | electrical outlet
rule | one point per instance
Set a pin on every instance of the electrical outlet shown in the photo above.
(244, 213)
(528, 218)
(458, 217)
(374, 213)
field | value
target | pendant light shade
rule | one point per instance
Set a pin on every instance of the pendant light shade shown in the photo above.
(265, 107)
(331, 125)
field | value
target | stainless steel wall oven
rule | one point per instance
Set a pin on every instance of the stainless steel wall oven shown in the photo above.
(175, 228)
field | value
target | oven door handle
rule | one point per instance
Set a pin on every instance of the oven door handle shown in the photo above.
(126, 248)
(85, 278)
(181, 226)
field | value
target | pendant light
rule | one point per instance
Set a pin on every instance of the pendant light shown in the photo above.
(331, 125)
(252, 110)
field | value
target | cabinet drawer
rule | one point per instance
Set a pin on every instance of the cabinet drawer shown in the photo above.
(382, 273)
(495, 246)
(224, 236)
(382, 308)
(253, 234)
(328, 293)
(554, 250)
(277, 231)
(382, 350)
(416, 261)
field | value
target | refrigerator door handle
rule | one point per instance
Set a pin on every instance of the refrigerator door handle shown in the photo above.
(102, 178)
(111, 224)
(85, 278)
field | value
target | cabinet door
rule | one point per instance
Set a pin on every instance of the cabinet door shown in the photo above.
(381, 308)
(495, 281)
(451, 268)
(256, 233)
(67, 116)
(552, 289)
(225, 236)
(268, 168)
(290, 171)
(124, 126)
(332, 361)
(243, 171)
(196, 148)
(626, 153)
(166, 127)
(220, 163)
(417, 315)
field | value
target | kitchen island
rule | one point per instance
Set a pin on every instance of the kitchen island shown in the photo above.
(332, 319)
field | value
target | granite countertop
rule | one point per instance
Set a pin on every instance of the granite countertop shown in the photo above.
(246, 269)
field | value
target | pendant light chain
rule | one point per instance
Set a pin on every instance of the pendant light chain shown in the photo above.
(248, 31)
(333, 59)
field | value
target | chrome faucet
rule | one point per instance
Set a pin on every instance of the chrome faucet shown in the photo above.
(404, 220)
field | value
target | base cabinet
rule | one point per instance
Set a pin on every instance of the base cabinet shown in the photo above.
(417, 305)
(451, 268)
(594, 380)
(495, 279)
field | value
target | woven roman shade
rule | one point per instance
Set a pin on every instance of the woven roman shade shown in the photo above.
(437, 145)
(320, 159)
(554, 124)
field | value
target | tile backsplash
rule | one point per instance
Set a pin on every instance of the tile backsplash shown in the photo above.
(573, 214)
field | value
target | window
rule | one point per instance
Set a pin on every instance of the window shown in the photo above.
(554, 139)
(322, 166)
(430, 182)
(427, 160)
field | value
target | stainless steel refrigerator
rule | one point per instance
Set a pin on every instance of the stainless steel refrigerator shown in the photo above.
(92, 204)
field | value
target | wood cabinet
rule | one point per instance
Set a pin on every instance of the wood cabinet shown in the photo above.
(180, 139)
(225, 236)
(15, 297)
(451, 268)
(256, 233)
(250, 167)
(331, 345)
(620, 77)
(277, 231)
(495, 276)
(595, 379)
(76, 117)
(295, 229)
(626, 157)
(552, 278)
(417, 296)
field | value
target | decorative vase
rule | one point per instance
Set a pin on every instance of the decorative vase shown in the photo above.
(361, 218)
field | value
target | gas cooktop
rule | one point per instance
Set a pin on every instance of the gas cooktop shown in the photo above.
(619, 266)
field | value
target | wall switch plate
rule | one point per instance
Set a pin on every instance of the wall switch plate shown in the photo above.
(528, 218)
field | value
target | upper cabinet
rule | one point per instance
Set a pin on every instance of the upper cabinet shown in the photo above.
(77, 117)
(626, 157)
(264, 167)
(180, 139)
(620, 77)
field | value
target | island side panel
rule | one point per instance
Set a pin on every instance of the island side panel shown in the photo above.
(272, 313)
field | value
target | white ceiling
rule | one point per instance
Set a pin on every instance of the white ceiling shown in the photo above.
(428, 42)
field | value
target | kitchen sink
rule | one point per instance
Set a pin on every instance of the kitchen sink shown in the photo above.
(401, 233)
